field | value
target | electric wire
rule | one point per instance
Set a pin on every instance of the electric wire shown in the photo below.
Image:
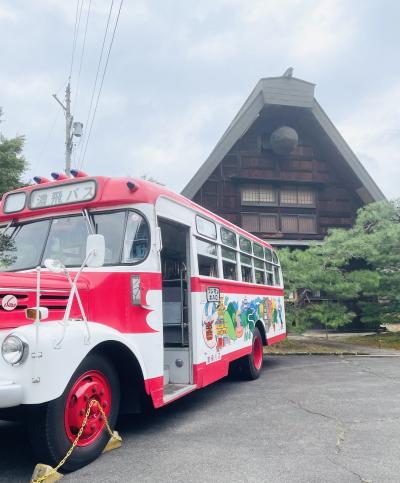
(74, 37)
(82, 53)
(101, 83)
(46, 142)
(97, 73)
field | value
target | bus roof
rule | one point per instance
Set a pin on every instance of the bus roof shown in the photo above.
(74, 194)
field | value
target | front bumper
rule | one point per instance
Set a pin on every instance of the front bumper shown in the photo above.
(10, 394)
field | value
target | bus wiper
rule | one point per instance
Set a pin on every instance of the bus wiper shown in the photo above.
(89, 225)
(7, 227)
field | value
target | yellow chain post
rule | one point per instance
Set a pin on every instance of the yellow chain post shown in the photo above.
(114, 442)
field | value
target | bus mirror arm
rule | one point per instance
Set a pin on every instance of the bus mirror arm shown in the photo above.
(158, 241)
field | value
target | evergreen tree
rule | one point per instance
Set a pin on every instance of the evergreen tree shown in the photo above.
(357, 268)
(12, 163)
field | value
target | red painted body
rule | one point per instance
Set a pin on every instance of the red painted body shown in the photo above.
(107, 295)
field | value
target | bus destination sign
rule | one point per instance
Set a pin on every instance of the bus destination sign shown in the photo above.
(63, 195)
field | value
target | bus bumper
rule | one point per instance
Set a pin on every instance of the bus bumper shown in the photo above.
(10, 394)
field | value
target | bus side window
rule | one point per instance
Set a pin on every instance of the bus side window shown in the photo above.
(137, 239)
(207, 258)
(229, 263)
(277, 276)
(269, 273)
(247, 270)
(259, 271)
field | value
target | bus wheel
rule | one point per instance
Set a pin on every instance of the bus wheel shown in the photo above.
(54, 426)
(251, 365)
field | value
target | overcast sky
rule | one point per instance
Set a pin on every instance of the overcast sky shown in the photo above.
(180, 70)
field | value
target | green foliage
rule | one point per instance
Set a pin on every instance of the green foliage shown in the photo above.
(360, 265)
(7, 249)
(12, 163)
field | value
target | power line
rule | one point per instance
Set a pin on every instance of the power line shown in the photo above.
(97, 72)
(74, 37)
(82, 53)
(102, 81)
(46, 142)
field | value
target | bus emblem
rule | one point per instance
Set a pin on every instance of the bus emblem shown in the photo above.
(9, 302)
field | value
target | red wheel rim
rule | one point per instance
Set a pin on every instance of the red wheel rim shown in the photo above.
(257, 353)
(91, 385)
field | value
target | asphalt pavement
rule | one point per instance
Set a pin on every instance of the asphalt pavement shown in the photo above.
(307, 419)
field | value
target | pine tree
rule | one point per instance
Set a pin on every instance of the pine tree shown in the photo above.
(12, 163)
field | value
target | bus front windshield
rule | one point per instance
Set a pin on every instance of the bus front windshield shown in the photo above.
(25, 246)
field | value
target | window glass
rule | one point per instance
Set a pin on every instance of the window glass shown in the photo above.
(245, 259)
(268, 267)
(14, 202)
(229, 270)
(293, 195)
(275, 258)
(137, 239)
(258, 195)
(227, 253)
(207, 258)
(277, 276)
(269, 278)
(245, 244)
(111, 226)
(206, 248)
(247, 274)
(228, 237)
(22, 245)
(67, 240)
(268, 254)
(258, 250)
(206, 227)
(259, 277)
(207, 266)
(259, 264)
(288, 196)
(305, 196)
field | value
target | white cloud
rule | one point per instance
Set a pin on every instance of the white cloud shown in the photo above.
(302, 31)
(176, 146)
(8, 14)
(214, 48)
(373, 131)
(324, 30)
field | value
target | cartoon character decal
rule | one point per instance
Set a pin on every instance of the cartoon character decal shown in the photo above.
(227, 321)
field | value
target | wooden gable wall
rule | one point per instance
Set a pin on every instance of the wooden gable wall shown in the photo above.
(313, 166)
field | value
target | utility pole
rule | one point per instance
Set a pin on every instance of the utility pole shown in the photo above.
(71, 129)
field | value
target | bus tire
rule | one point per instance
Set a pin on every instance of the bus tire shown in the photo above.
(54, 425)
(251, 365)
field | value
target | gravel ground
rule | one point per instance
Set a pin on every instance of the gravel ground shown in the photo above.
(307, 419)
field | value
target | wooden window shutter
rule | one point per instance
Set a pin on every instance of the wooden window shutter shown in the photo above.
(268, 223)
(251, 222)
(307, 224)
(289, 223)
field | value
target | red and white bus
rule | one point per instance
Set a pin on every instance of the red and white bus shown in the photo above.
(121, 290)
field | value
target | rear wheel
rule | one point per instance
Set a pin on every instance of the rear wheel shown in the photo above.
(251, 365)
(55, 425)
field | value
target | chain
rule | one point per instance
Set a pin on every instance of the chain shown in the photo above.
(76, 440)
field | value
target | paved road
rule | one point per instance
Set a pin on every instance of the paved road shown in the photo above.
(307, 419)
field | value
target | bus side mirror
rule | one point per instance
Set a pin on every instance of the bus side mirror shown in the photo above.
(95, 251)
(158, 239)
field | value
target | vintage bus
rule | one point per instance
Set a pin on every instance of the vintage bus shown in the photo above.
(121, 290)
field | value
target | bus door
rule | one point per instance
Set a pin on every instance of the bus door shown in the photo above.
(175, 269)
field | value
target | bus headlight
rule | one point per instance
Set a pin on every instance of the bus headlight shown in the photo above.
(14, 349)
